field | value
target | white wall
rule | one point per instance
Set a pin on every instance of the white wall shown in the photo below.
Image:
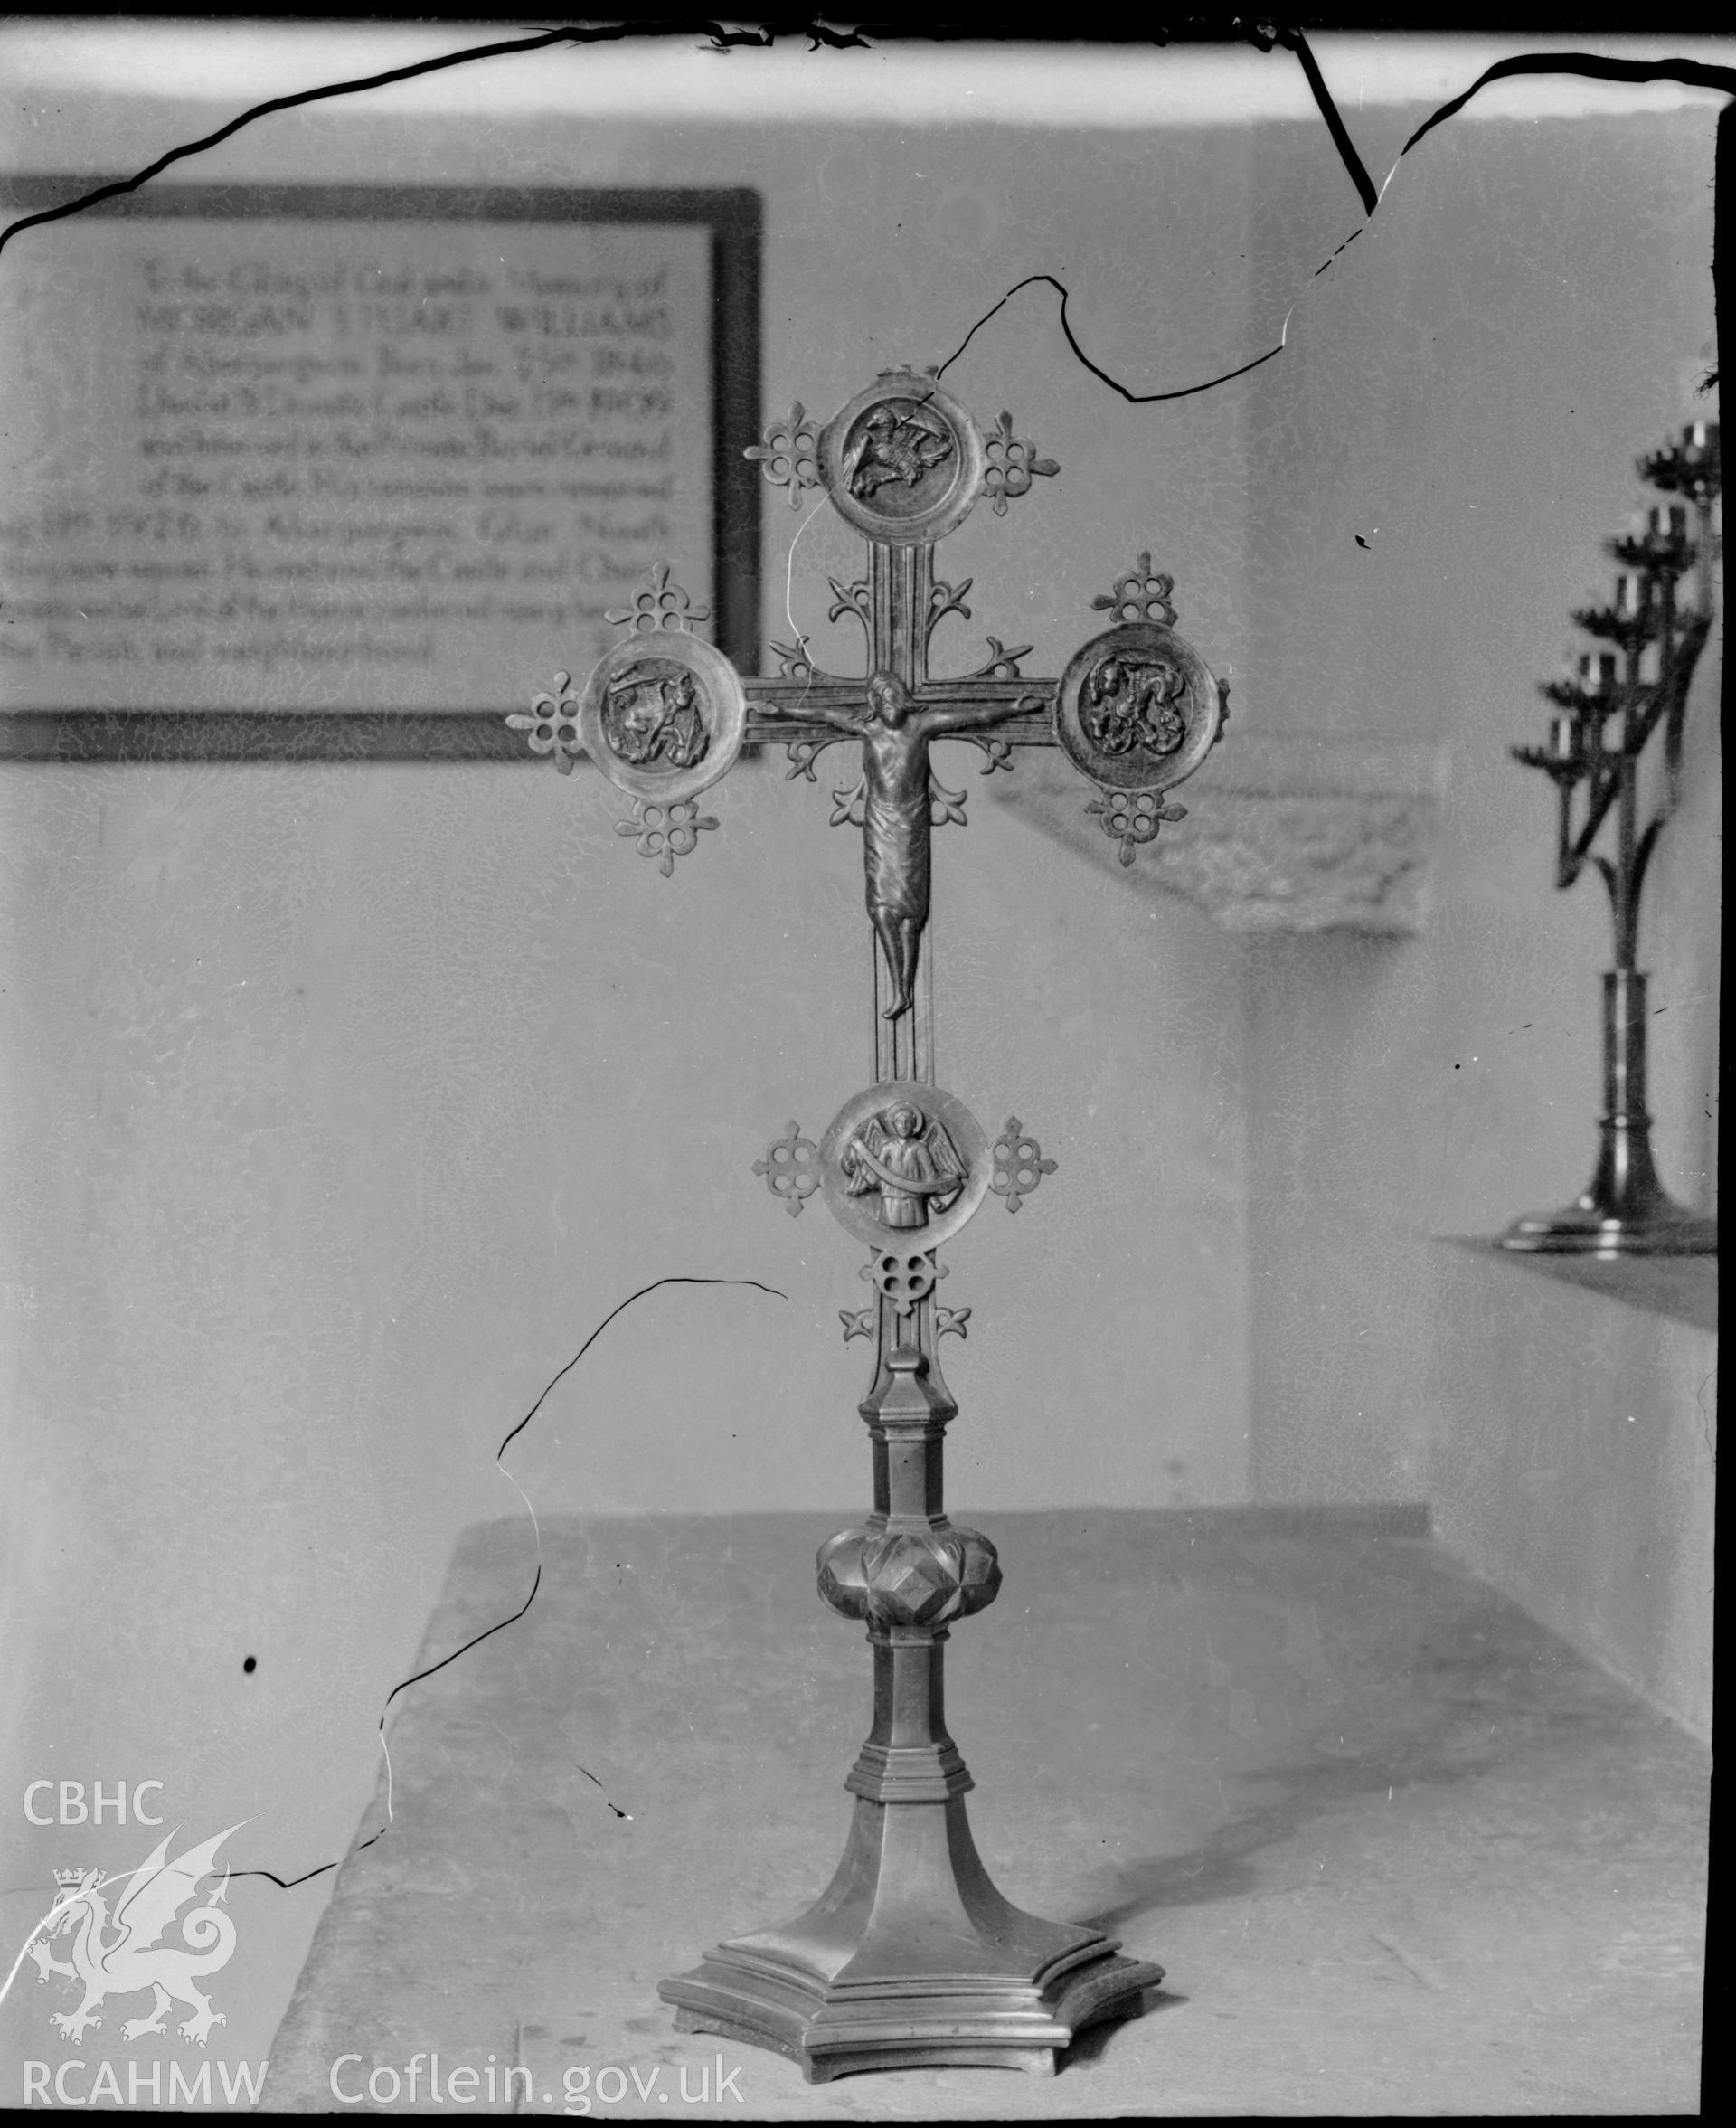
(1470, 396)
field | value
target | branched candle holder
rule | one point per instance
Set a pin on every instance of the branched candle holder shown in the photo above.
(1605, 719)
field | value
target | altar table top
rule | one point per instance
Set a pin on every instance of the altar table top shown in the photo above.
(1398, 1848)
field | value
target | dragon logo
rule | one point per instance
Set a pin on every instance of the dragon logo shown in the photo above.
(120, 1954)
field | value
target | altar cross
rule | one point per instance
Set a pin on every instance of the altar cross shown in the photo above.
(912, 1956)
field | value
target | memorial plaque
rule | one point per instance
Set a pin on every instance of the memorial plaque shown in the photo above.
(310, 469)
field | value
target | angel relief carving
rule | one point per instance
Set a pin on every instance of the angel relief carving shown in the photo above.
(908, 1158)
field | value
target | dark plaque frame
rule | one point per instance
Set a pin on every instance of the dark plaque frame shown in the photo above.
(734, 215)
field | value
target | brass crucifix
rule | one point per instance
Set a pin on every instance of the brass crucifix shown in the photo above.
(911, 1957)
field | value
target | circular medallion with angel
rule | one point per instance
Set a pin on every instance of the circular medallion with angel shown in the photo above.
(903, 461)
(904, 1164)
(663, 714)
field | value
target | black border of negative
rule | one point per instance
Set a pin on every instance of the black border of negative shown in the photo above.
(735, 218)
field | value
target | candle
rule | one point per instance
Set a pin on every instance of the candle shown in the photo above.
(1590, 680)
(1627, 595)
(1693, 442)
(1564, 736)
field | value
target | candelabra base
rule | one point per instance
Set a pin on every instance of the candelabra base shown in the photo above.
(911, 1959)
(1581, 1230)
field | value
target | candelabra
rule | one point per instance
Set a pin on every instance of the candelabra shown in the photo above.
(1604, 718)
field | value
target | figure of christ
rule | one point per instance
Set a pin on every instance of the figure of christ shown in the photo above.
(895, 732)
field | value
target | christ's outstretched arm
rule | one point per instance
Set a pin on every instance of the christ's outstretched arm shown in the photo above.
(967, 716)
(853, 720)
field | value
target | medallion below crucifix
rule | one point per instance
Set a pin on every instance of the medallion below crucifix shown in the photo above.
(911, 1957)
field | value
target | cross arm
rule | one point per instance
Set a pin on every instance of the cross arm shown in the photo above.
(1019, 710)
(794, 708)
(797, 709)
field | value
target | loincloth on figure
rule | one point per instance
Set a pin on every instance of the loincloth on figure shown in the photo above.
(895, 855)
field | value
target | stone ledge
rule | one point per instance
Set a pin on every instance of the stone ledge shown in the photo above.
(1684, 1288)
(1292, 832)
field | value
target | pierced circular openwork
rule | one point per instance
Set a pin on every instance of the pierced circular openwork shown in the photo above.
(904, 1275)
(663, 714)
(1137, 708)
(903, 1166)
(904, 461)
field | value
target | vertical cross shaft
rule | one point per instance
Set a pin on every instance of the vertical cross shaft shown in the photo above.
(899, 579)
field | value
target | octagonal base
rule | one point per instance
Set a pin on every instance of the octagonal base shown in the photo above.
(912, 1960)
(1011, 2028)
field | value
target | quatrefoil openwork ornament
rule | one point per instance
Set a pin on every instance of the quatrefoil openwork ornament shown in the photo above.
(1133, 817)
(1019, 1164)
(665, 831)
(552, 723)
(792, 1169)
(789, 454)
(658, 603)
(1011, 463)
(1142, 594)
(905, 1277)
